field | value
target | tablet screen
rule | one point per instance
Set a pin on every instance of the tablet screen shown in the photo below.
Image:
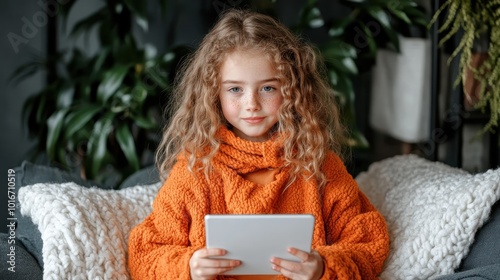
(254, 239)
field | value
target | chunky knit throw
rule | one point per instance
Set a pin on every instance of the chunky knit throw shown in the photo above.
(433, 212)
(349, 233)
(85, 230)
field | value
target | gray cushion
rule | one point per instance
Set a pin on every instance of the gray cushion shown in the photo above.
(146, 176)
(486, 248)
(490, 272)
(24, 264)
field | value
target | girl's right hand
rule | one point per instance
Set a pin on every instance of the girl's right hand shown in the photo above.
(204, 268)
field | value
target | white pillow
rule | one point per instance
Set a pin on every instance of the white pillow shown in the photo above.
(432, 210)
(85, 230)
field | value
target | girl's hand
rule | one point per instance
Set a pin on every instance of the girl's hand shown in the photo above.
(202, 267)
(311, 267)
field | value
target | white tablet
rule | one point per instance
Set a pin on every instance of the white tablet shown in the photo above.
(254, 239)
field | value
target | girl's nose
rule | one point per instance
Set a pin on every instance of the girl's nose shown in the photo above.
(252, 101)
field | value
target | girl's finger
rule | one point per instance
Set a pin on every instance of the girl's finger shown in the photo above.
(283, 271)
(221, 263)
(214, 263)
(280, 265)
(209, 252)
(208, 272)
(303, 256)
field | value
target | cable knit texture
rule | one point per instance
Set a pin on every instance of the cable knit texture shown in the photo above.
(433, 212)
(349, 233)
(85, 230)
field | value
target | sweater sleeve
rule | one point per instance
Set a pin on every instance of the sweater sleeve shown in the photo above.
(357, 239)
(161, 247)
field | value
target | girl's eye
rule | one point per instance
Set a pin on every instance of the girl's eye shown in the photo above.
(268, 88)
(235, 89)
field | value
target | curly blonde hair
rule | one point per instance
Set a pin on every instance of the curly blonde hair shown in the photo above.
(309, 114)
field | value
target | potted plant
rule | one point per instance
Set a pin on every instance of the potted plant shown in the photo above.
(476, 25)
(100, 114)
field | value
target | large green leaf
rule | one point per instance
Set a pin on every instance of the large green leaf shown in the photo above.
(110, 83)
(127, 144)
(309, 14)
(336, 48)
(126, 51)
(400, 14)
(345, 89)
(24, 71)
(65, 97)
(380, 15)
(40, 107)
(370, 40)
(121, 102)
(393, 38)
(417, 16)
(139, 93)
(350, 65)
(314, 18)
(100, 59)
(145, 122)
(83, 26)
(79, 117)
(137, 7)
(139, 10)
(98, 144)
(345, 65)
(54, 125)
(337, 27)
(64, 10)
(357, 139)
(333, 76)
(152, 73)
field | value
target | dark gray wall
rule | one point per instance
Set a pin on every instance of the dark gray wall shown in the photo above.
(22, 28)
(20, 42)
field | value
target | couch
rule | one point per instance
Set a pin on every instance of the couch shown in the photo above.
(444, 222)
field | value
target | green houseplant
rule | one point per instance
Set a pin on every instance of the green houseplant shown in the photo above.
(474, 21)
(100, 114)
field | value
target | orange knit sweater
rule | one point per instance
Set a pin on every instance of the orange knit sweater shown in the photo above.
(349, 233)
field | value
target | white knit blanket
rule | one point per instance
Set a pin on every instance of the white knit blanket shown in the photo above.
(433, 212)
(85, 230)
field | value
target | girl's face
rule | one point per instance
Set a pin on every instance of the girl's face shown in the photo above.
(250, 94)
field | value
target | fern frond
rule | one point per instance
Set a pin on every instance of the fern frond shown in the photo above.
(473, 20)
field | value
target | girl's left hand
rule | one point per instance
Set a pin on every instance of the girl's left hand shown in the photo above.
(311, 267)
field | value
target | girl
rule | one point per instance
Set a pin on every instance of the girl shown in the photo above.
(256, 132)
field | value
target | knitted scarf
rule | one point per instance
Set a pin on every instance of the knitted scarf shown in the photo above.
(245, 156)
(237, 156)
